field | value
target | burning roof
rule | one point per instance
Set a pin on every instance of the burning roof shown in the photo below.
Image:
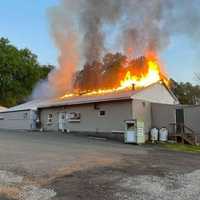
(84, 30)
(117, 78)
(117, 95)
(126, 75)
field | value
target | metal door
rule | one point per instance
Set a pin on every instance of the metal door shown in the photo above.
(33, 119)
(62, 118)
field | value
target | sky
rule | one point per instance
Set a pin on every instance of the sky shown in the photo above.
(25, 24)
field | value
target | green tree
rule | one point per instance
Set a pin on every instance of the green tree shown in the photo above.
(19, 72)
(100, 74)
(112, 64)
(186, 92)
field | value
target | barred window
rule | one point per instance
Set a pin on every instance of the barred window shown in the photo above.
(102, 113)
(50, 118)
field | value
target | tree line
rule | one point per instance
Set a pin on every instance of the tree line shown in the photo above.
(186, 92)
(20, 71)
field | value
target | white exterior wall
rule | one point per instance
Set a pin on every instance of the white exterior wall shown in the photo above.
(156, 93)
(192, 118)
(116, 113)
(163, 116)
(16, 120)
(142, 112)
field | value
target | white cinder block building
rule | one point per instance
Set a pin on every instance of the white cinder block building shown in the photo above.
(101, 115)
(104, 115)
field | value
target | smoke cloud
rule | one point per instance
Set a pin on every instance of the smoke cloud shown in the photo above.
(66, 40)
(77, 27)
(94, 15)
(150, 24)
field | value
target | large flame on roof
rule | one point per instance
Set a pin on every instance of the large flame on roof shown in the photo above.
(130, 81)
(152, 76)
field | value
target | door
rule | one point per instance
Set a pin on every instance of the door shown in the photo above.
(62, 118)
(180, 120)
(33, 118)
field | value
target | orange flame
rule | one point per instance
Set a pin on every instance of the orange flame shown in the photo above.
(130, 81)
(151, 77)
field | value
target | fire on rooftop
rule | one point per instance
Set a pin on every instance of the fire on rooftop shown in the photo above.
(133, 74)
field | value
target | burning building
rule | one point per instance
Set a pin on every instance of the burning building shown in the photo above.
(108, 90)
(104, 113)
(98, 105)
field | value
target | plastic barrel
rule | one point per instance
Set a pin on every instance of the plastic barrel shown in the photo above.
(163, 135)
(154, 134)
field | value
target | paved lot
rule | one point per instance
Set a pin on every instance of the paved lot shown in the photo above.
(36, 166)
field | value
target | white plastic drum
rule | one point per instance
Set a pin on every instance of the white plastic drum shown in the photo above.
(154, 134)
(163, 134)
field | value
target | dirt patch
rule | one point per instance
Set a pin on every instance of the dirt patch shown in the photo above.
(145, 177)
(96, 183)
(170, 187)
(86, 162)
(5, 198)
(15, 187)
(8, 192)
(36, 193)
(112, 184)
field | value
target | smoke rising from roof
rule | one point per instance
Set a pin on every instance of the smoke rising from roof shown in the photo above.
(92, 18)
(77, 27)
(149, 25)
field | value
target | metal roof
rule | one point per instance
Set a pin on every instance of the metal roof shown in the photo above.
(114, 96)
(30, 105)
(82, 99)
(77, 100)
(2, 108)
(85, 99)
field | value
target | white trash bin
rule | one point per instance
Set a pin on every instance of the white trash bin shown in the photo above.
(163, 135)
(154, 135)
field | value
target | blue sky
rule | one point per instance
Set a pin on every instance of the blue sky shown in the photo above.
(25, 24)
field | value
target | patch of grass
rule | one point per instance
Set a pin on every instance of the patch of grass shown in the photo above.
(182, 147)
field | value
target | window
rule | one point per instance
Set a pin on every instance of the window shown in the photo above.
(73, 117)
(102, 113)
(50, 118)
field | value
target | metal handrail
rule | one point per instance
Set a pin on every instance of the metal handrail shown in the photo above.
(183, 127)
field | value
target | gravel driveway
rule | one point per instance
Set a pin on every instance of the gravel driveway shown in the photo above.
(39, 166)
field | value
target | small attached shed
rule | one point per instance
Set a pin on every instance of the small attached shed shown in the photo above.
(21, 117)
(192, 117)
(104, 114)
(166, 115)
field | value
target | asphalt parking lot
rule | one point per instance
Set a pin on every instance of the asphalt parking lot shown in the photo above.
(42, 166)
